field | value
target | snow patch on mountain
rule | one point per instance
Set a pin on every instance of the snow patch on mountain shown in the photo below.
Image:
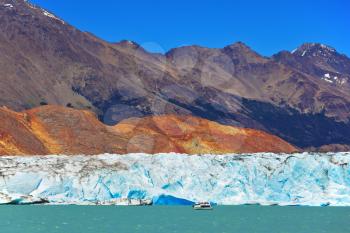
(265, 178)
(333, 79)
(327, 47)
(44, 12)
(48, 14)
(8, 5)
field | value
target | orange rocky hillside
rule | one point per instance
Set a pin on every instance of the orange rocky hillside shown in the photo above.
(59, 130)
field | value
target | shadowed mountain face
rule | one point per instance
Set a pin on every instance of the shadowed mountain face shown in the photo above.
(59, 130)
(302, 97)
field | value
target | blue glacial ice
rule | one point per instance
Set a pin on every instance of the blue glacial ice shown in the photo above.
(265, 178)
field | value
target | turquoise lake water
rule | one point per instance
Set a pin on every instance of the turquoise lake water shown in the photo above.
(167, 219)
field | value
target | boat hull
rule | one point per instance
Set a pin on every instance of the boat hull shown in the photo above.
(203, 208)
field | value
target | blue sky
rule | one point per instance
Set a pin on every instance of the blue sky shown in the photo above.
(266, 26)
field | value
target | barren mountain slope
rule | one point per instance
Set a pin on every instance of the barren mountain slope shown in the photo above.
(45, 60)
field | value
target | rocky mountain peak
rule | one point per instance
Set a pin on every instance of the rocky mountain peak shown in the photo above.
(239, 45)
(242, 52)
(23, 7)
(128, 44)
(314, 50)
(321, 61)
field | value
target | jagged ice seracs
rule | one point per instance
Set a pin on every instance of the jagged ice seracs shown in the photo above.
(264, 178)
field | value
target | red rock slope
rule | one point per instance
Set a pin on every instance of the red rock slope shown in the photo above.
(59, 130)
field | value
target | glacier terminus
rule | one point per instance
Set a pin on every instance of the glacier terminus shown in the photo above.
(312, 179)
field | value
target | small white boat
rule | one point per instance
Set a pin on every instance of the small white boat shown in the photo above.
(202, 206)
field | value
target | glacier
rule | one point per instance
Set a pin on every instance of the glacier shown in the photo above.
(312, 179)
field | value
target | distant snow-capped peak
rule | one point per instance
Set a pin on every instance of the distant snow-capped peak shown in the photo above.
(314, 49)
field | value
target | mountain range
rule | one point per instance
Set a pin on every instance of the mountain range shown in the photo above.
(302, 97)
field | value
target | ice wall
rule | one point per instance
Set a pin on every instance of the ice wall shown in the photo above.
(297, 179)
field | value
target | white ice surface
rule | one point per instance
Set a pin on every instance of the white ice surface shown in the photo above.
(297, 179)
